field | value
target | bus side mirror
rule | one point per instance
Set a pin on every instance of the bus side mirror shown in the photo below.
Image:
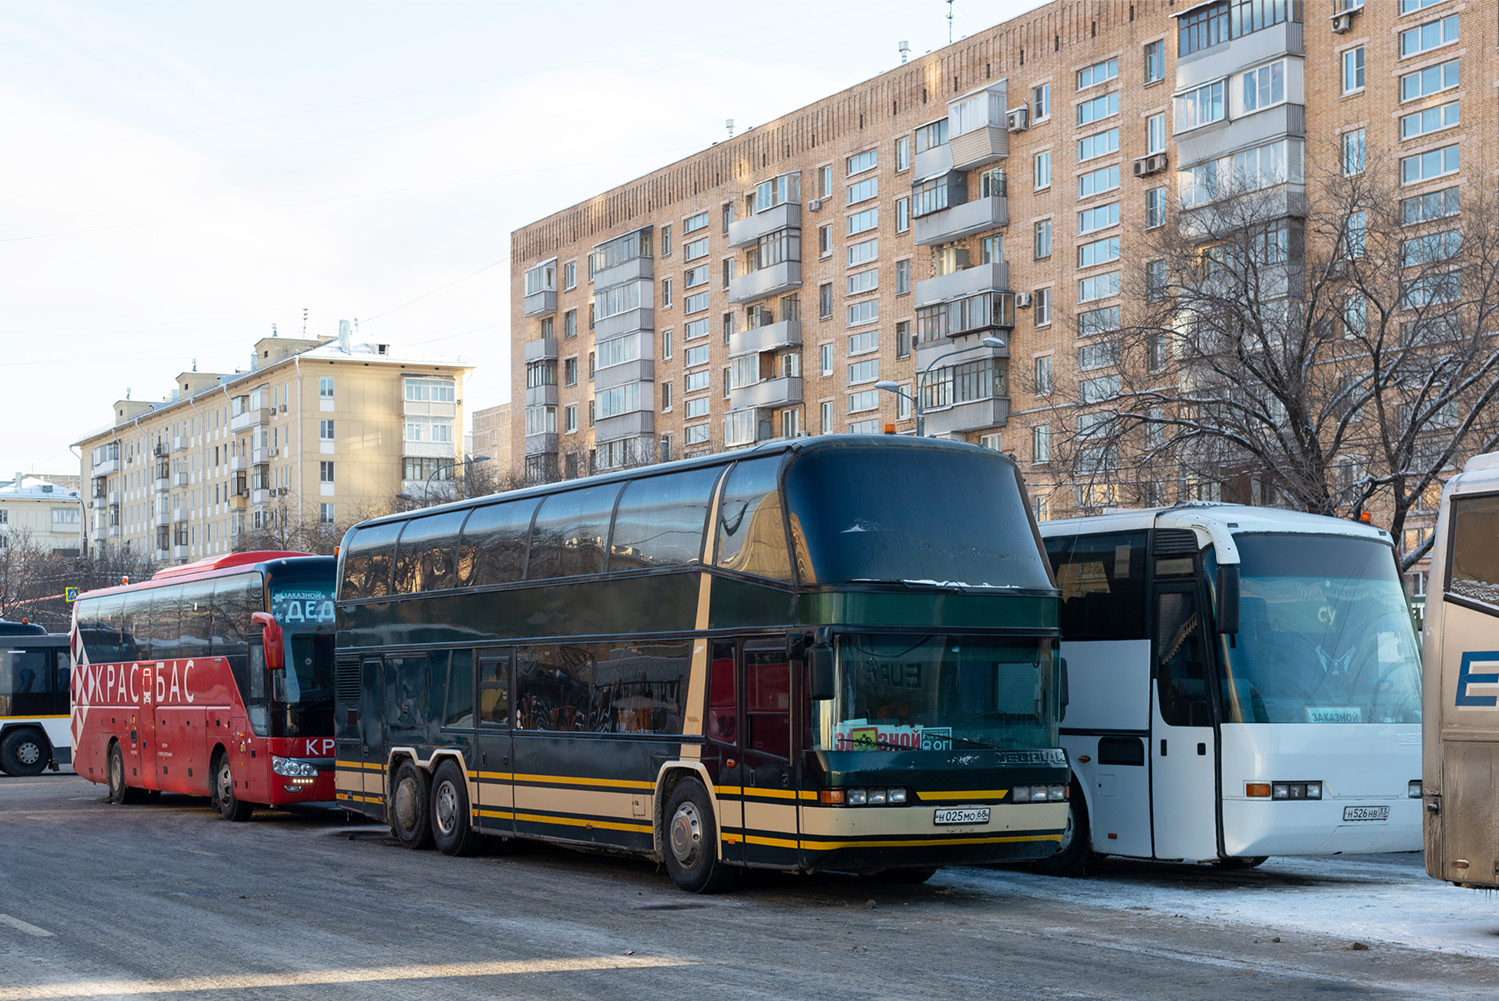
(1066, 692)
(1228, 599)
(270, 631)
(822, 685)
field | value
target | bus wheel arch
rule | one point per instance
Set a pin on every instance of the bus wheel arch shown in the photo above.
(669, 777)
(222, 782)
(25, 750)
(118, 790)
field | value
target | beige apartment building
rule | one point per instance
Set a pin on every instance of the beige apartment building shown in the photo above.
(491, 437)
(955, 229)
(38, 512)
(318, 434)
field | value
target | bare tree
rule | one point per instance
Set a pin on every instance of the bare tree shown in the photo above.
(295, 524)
(1332, 352)
(34, 580)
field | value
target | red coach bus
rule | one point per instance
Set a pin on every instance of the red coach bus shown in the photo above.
(212, 679)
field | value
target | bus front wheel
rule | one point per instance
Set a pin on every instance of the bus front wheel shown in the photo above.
(231, 806)
(692, 841)
(24, 752)
(118, 790)
(451, 827)
(408, 808)
(1075, 850)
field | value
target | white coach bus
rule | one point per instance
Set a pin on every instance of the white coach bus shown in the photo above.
(1461, 682)
(1244, 681)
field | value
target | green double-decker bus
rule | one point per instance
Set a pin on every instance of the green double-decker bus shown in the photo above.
(825, 653)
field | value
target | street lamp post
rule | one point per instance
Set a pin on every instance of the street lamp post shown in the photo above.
(893, 387)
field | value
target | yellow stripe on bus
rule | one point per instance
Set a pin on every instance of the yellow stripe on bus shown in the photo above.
(63, 716)
(893, 842)
(965, 794)
(372, 765)
(570, 780)
(537, 818)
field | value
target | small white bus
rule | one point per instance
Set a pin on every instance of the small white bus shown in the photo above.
(1244, 682)
(34, 730)
(1461, 683)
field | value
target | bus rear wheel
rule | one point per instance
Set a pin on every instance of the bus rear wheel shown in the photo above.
(408, 808)
(231, 806)
(24, 752)
(118, 790)
(451, 828)
(692, 841)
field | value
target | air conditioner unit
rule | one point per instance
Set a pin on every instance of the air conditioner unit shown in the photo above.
(1018, 119)
(815, 205)
(1147, 165)
(1342, 23)
(1022, 299)
(283, 408)
(272, 452)
(281, 491)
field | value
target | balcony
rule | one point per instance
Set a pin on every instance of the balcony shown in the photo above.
(974, 415)
(640, 318)
(179, 478)
(782, 392)
(956, 221)
(628, 425)
(540, 303)
(635, 269)
(262, 455)
(179, 514)
(238, 502)
(770, 337)
(107, 466)
(238, 464)
(160, 449)
(163, 482)
(983, 145)
(114, 531)
(970, 343)
(260, 495)
(428, 449)
(747, 232)
(639, 370)
(963, 282)
(767, 281)
(536, 444)
(1227, 58)
(98, 530)
(541, 396)
(250, 419)
(161, 554)
(931, 162)
(179, 552)
(1257, 129)
(179, 443)
(433, 490)
(541, 349)
(163, 517)
(114, 498)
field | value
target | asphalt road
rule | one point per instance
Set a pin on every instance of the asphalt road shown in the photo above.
(167, 899)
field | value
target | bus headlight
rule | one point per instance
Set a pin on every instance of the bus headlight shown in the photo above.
(1413, 789)
(1038, 794)
(1296, 790)
(863, 797)
(292, 768)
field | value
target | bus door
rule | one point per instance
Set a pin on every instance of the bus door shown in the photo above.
(143, 733)
(771, 817)
(495, 746)
(371, 735)
(722, 730)
(1183, 746)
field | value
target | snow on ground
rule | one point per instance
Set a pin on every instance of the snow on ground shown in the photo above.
(1371, 898)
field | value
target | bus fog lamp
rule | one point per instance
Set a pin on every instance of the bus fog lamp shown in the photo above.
(1413, 789)
(292, 768)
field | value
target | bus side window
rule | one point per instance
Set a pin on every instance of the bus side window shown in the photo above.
(64, 669)
(1181, 661)
(722, 703)
(494, 690)
(767, 709)
(255, 702)
(460, 700)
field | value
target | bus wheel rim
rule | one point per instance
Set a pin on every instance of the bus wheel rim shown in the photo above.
(686, 833)
(1067, 833)
(226, 779)
(406, 805)
(447, 807)
(29, 752)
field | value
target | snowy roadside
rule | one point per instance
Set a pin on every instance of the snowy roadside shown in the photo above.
(1380, 898)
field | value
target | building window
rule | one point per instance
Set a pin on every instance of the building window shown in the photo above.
(825, 300)
(728, 216)
(1043, 375)
(902, 153)
(1041, 101)
(867, 311)
(902, 277)
(325, 514)
(570, 275)
(1101, 107)
(1097, 217)
(826, 410)
(1438, 119)
(1428, 81)
(1041, 444)
(570, 417)
(1042, 166)
(863, 190)
(1264, 87)
(862, 252)
(325, 387)
(860, 162)
(666, 345)
(665, 241)
(325, 472)
(1353, 70)
(1101, 72)
(695, 250)
(1099, 144)
(695, 223)
(695, 303)
(666, 397)
(728, 323)
(325, 430)
(1155, 133)
(570, 323)
(1098, 181)
(1353, 152)
(862, 222)
(1041, 307)
(1202, 106)
(1042, 241)
(1431, 164)
(1428, 36)
(1155, 61)
(665, 292)
(902, 214)
(1098, 252)
(826, 354)
(570, 372)
(825, 240)
(903, 339)
(824, 181)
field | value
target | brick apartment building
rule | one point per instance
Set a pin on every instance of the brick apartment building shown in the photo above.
(957, 226)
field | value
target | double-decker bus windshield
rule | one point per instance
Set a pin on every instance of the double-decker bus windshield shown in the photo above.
(1324, 635)
(939, 692)
(303, 692)
(852, 519)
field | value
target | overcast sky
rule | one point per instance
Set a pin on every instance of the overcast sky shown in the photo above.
(180, 176)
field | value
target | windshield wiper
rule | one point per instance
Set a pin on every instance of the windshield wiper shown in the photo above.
(975, 743)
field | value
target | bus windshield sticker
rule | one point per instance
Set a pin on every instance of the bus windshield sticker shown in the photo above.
(310, 606)
(862, 735)
(1334, 714)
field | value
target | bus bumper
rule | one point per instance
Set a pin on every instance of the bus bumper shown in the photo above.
(872, 838)
(1260, 827)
